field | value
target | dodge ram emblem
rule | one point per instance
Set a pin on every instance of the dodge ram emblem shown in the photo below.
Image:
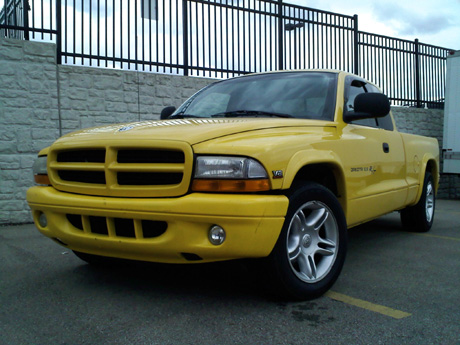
(125, 128)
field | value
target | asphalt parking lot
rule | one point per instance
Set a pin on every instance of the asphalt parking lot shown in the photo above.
(396, 288)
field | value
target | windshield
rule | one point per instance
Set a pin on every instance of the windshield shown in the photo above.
(305, 95)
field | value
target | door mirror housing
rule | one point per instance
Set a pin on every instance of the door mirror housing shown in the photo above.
(368, 105)
(166, 112)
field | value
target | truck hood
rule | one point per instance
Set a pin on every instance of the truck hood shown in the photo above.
(192, 131)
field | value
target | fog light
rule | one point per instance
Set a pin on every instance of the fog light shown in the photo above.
(42, 220)
(216, 235)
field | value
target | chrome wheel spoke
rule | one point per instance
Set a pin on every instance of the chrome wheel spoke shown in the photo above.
(294, 254)
(327, 242)
(325, 251)
(429, 203)
(307, 266)
(295, 236)
(297, 226)
(328, 247)
(317, 218)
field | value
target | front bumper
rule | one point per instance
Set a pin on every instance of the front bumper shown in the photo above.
(252, 223)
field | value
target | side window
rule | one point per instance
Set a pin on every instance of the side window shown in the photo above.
(382, 122)
(354, 88)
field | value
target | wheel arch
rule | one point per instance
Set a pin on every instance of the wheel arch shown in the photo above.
(429, 164)
(326, 173)
(432, 167)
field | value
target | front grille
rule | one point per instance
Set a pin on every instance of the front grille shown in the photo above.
(127, 171)
(118, 227)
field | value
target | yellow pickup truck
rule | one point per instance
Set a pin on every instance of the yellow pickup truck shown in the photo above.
(272, 165)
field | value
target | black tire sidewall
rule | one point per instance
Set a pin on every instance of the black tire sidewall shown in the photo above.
(414, 218)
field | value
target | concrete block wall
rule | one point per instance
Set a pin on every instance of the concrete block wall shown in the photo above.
(40, 100)
(95, 96)
(428, 122)
(29, 119)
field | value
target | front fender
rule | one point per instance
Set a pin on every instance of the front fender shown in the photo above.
(302, 160)
(309, 157)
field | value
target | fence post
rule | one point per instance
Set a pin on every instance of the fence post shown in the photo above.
(25, 17)
(58, 32)
(280, 35)
(417, 74)
(185, 35)
(355, 45)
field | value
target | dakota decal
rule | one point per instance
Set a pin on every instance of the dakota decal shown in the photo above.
(370, 169)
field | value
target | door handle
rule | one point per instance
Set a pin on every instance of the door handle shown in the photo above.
(386, 147)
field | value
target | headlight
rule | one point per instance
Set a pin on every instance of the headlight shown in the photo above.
(40, 171)
(229, 174)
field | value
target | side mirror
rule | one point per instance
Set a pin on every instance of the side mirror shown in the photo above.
(368, 105)
(166, 112)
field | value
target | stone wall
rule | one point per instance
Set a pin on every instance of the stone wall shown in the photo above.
(40, 100)
(91, 97)
(29, 119)
(428, 122)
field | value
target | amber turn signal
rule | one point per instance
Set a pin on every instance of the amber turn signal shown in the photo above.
(42, 179)
(202, 185)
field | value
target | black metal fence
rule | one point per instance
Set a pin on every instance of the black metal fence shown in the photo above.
(223, 38)
(13, 15)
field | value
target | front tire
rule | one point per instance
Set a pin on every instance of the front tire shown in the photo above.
(310, 251)
(420, 217)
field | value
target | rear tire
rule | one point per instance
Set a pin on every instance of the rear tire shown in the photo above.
(310, 251)
(419, 218)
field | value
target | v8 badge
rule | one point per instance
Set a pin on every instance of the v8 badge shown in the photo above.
(277, 174)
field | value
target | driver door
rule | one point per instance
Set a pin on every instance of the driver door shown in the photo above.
(375, 167)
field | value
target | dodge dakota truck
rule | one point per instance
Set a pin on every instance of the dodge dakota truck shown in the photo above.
(275, 166)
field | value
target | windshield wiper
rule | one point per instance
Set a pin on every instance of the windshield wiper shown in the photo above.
(183, 116)
(250, 113)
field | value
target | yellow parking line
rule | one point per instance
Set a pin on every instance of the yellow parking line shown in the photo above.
(437, 236)
(396, 314)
